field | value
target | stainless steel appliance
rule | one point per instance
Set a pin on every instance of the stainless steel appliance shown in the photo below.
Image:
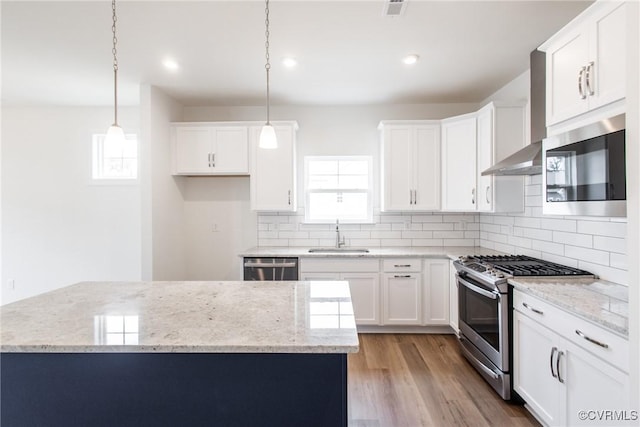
(528, 160)
(276, 268)
(485, 310)
(585, 170)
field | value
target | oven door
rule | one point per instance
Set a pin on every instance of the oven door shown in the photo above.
(484, 320)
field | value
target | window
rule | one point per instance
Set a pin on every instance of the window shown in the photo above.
(115, 161)
(338, 187)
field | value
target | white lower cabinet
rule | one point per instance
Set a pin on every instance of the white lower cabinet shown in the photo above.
(364, 283)
(435, 292)
(561, 375)
(401, 291)
(453, 299)
(391, 291)
(401, 298)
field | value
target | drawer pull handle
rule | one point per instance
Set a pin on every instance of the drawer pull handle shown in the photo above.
(400, 276)
(560, 354)
(402, 265)
(553, 350)
(535, 310)
(591, 340)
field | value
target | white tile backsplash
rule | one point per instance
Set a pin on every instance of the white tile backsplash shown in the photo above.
(389, 229)
(596, 244)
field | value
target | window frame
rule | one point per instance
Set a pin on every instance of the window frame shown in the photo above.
(97, 146)
(369, 191)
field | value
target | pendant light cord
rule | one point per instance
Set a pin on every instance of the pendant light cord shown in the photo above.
(267, 66)
(115, 64)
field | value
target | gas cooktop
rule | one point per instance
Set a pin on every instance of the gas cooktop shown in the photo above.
(495, 270)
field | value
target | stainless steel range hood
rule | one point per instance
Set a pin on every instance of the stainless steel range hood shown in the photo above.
(528, 160)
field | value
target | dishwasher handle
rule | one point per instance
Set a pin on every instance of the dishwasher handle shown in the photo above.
(270, 264)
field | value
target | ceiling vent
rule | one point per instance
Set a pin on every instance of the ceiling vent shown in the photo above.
(394, 7)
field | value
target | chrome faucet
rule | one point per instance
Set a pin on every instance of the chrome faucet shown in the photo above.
(339, 241)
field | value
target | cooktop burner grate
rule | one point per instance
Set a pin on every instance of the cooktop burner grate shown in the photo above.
(521, 265)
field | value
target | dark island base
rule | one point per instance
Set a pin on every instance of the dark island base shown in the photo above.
(173, 389)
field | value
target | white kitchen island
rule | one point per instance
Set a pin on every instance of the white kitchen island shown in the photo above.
(178, 353)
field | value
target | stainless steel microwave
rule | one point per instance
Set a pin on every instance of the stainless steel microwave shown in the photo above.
(584, 171)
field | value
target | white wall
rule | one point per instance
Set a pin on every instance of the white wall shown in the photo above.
(58, 227)
(163, 242)
(219, 224)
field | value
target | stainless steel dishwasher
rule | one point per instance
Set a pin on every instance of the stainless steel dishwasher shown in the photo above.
(275, 268)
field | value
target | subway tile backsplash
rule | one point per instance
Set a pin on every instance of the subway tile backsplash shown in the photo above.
(596, 244)
(388, 229)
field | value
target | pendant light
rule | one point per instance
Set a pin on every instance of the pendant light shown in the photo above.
(268, 134)
(115, 133)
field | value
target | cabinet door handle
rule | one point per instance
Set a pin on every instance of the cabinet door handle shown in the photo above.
(486, 194)
(553, 350)
(583, 95)
(209, 159)
(591, 340)
(402, 276)
(402, 265)
(213, 160)
(415, 197)
(289, 197)
(535, 310)
(473, 196)
(560, 354)
(587, 78)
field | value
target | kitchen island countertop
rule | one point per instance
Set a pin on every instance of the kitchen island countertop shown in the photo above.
(183, 317)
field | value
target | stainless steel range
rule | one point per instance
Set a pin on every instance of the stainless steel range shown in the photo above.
(485, 309)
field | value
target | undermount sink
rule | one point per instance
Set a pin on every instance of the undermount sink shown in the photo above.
(339, 250)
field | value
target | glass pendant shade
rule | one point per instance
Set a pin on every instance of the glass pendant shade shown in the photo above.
(115, 134)
(268, 137)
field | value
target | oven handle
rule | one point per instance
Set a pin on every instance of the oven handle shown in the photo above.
(475, 362)
(478, 289)
(269, 265)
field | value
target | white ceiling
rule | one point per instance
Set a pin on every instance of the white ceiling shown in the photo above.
(349, 53)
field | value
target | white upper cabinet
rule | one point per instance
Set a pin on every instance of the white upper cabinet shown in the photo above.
(500, 133)
(410, 165)
(586, 62)
(209, 149)
(273, 171)
(459, 163)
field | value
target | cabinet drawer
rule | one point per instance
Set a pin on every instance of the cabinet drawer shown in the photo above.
(340, 265)
(608, 346)
(402, 264)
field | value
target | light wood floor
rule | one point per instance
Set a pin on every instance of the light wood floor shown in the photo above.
(422, 380)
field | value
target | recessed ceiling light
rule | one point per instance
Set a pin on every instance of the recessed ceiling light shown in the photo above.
(410, 59)
(170, 64)
(289, 62)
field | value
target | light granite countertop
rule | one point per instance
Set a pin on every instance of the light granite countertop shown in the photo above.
(183, 317)
(452, 252)
(599, 301)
